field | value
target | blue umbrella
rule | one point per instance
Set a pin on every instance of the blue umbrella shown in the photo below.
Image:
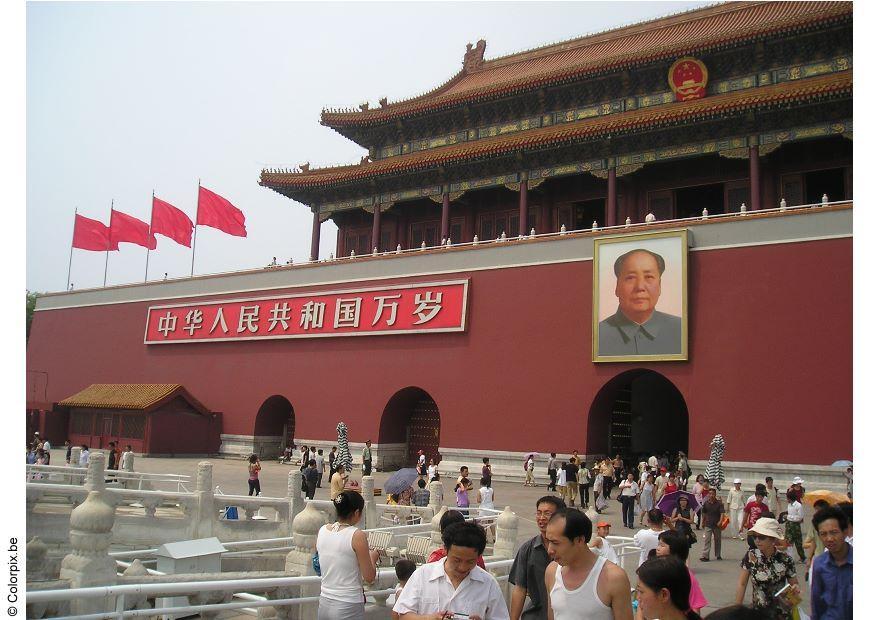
(842, 464)
(401, 480)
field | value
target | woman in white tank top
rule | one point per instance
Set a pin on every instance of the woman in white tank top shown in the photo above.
(344, 561)
(581, 602)
(486, 494)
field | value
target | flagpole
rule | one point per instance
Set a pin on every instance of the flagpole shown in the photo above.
(196, 211)
(72, 238)
(146, 277)
(106, 264)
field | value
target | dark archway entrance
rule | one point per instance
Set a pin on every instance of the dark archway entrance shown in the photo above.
(638, 412)
(412, 419)
(274, 427)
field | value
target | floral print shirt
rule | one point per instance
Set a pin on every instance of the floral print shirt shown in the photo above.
(768, 576)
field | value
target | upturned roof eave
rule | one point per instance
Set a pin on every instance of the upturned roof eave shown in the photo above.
(307, 185)
(345, 122)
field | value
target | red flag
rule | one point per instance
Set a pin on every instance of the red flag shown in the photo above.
(124, 228)
(215, 211)
(90, 234)
(169, 221)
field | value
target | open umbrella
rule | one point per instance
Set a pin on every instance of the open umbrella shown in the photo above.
(401, 480)
(669, 501)
(533, 455)
(842, 464)
(833, 497)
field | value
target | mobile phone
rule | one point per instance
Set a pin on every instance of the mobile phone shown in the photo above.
(782, 590)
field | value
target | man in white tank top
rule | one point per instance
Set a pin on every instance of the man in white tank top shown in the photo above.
(580, 583)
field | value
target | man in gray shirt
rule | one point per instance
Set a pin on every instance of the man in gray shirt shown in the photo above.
(637, 328)
(530, 565)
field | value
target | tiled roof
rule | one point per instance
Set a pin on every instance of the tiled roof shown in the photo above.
(697, 110)
(138, 396)
(686, 33)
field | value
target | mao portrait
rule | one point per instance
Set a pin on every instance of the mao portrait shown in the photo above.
(640, 297)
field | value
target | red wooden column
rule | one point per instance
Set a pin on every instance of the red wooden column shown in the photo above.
(314, 237)
(375, 229)
(445, 216)
(611, 215)
(524, 206)
(755, 178)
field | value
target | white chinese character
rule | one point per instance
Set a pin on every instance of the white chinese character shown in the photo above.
(347, 311)
(248, 319)
(193, 320)
(280, 314)
(312, 314)
(427, 307)
(167, 323)
(392, 305)
(220, 318)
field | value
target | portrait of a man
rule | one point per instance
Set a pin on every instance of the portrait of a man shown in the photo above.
(634, 324)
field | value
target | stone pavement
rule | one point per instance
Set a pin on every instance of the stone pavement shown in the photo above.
(718, 579)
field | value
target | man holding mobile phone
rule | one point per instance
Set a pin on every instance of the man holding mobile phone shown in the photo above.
(455, 587)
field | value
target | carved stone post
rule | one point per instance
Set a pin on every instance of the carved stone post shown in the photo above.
(89, 563)
(506, 531)
(436, 540)
(205, 513)
(94, 474)
(74, 462)
(370, 515)
(433, 500)
(37, 568)
(296, 502)
(299, 560)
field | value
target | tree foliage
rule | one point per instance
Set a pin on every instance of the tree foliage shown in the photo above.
(31, 304)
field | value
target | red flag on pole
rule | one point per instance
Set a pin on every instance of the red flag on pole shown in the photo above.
(90, 234)
(124, 228)
(171, 222)
(216, 212)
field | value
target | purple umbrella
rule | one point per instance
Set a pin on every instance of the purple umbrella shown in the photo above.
(668, 502)
(401, 480)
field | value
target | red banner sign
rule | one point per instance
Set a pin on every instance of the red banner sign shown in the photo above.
(410, 309)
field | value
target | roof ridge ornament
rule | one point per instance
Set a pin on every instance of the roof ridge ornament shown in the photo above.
(473, 59)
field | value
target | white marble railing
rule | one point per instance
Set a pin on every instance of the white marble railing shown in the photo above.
(69, 474)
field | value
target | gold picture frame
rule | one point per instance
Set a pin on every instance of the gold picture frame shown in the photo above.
(642, 315)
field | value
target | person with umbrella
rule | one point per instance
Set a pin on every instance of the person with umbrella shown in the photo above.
(682, 518)
(400, 481)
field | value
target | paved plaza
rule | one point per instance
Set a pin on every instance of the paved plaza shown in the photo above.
(717, 578)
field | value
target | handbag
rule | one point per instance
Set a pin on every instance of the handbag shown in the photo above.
(723, 523)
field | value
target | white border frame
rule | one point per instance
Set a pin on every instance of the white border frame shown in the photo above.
(443, 330)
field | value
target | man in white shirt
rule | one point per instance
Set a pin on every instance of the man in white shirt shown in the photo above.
(320, 466)
(455, 584)
(83, 456)
(648, 539)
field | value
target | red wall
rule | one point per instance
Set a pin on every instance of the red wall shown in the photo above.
(770, 360)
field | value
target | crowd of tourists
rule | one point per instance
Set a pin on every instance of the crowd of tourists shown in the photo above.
(570, 569)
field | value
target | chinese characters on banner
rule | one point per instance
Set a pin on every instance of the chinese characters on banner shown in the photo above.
(419, 308)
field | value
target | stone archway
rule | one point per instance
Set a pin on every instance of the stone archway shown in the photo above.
(638, 413)
(274, 427)
(411, 422)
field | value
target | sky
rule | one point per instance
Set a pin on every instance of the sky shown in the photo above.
(126, 98)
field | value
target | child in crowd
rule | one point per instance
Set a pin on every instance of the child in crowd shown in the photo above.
(403, 570)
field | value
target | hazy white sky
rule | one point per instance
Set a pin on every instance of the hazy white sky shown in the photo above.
(124, 98)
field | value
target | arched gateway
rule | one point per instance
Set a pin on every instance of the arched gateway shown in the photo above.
(411, 422)
(638, 412)
(274, 427)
